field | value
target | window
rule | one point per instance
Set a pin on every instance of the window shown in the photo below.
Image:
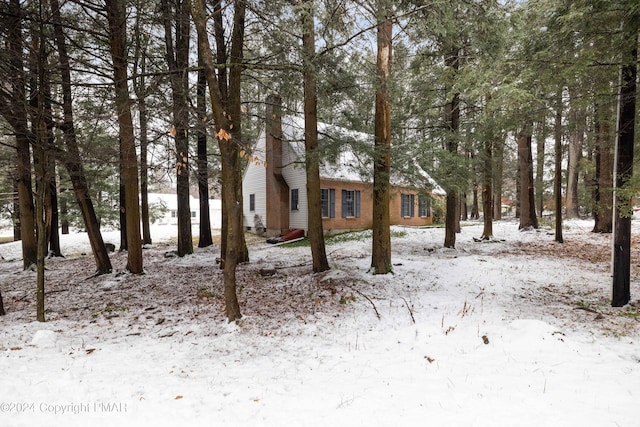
(193, 214)
(173, 213)
(424, 206)
(350, 204)
(294, 199)
(252, 202)
(407, 203)
(328, 202)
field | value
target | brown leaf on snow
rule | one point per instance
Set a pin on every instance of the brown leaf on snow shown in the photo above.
(178, 397)
(90, 350)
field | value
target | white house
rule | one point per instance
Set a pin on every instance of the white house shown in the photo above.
(167, 206)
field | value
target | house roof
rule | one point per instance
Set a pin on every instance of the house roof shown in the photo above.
(342, 162)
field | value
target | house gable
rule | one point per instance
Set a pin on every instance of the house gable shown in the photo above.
(346, 177)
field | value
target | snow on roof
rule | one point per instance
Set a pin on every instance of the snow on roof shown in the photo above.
(349, 164)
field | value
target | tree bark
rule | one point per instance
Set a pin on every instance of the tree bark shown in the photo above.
(381, 243)
(2, 312)
(42, 132)
(226, 125)
(141, 90)
(624, 166)
(204, 238)
(603, 192)
(71, 158)
(312, 160)
(487, 191)
(17, 118)
(557, 179)
(541, 136)
(576, 141)
(452, 118)
(497, 179)
(528, 218)
(117, 31)
(177, 23)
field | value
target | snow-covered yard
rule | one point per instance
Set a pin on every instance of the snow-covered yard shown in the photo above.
(515, 332)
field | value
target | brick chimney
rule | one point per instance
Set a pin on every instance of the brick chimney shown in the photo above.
(276, 186)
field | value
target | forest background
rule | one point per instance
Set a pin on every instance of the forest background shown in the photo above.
(102, 102)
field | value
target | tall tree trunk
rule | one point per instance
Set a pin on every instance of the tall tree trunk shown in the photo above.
(236, 58)
(15, 215)
(487, 191)
(603, 193)
(497, 179)
(116, 15)
(226, 125)
(464, 210)
(2, 312)
(452, 119)
(43, 129)
(204, 238)
(624, 165)
(41, 221)
(144, 171)
(71, 159)
(141, 90)
(312, 160)
(122, 199)
(40, 111)
(541, 137)
(381, 243)
(475, 206)
(576, 141)
(557, 178)
(177, 23)
(528, 218)
(225, 97)
(17, 118)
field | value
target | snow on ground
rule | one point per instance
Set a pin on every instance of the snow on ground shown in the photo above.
(517, 331)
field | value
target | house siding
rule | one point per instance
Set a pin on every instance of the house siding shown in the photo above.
(254, 182)
(330, 225)
(281, 148)
(396, 209)
(295, 175)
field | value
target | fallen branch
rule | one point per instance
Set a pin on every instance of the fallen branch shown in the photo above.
(413, 319)
(367, 298)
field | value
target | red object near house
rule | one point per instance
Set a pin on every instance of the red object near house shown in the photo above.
(287, 235)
